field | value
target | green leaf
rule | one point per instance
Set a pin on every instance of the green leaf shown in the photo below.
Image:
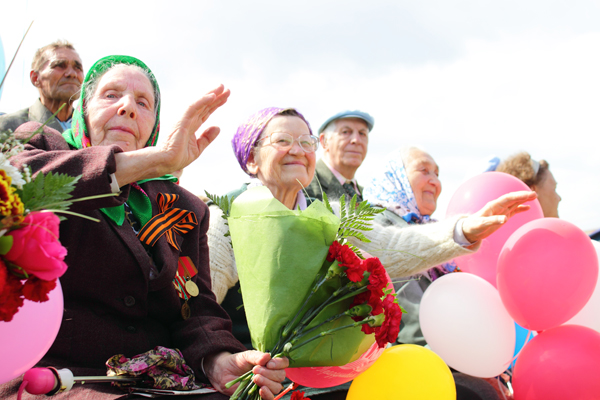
(48, 191)
(223, 202)
(326, 202)
(6, 243)
(356, 218)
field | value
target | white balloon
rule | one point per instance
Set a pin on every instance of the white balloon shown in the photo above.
(590, 313)
(464, 321)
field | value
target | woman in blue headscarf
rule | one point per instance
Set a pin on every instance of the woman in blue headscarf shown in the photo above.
(408, 186)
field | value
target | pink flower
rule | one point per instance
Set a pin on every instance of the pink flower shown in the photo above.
(36, 248)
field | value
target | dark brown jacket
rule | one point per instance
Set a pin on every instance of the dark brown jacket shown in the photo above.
(111, 305)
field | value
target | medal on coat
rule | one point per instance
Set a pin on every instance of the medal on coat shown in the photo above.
(186, 312)
(185, 287)
(188, 270)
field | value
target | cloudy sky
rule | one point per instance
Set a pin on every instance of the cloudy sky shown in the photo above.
(466, 80)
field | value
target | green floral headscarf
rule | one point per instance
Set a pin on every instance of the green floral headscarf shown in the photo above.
(78, 137)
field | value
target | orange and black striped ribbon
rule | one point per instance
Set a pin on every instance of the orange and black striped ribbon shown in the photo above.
(169, 221)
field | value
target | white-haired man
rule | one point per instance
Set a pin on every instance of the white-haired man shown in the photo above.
(344, 138)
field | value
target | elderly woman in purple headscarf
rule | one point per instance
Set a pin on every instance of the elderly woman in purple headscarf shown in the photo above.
(276, 148)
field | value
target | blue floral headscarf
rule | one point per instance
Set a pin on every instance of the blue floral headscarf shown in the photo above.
(391, 189)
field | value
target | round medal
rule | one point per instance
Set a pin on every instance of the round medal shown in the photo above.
(186, 312)
(192, 288)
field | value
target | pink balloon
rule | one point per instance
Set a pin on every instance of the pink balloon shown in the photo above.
(547, 271)
(560, 363)
(589, 315)
(469, 198)
(27, 338)
(322, 377)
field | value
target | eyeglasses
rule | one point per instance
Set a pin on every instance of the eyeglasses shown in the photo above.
(285, 141)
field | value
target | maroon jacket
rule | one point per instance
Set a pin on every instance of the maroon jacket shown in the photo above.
(111, 305)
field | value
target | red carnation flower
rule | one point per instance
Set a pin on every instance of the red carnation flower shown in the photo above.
(11, 298)
(354, 266)
(3, 275)
(377, 277)
(298, 395)
(334, 251)
(36, 289)
(367, 329)
(388, 331)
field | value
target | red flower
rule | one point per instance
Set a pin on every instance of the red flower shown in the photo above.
(347, 259)
(36, 289)
(3, 275)
(359, 299)
(334, 250)
(354, 266)
(367, 329)
(378, 279)
(388, 331)
(11, 298)
(298, 395)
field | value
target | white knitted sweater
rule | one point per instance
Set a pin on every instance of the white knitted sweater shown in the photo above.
(403, 249)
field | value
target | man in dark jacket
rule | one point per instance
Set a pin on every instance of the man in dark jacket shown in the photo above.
(57, 73)
(344, 138)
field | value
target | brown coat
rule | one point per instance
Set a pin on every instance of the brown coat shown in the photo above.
(111, 305)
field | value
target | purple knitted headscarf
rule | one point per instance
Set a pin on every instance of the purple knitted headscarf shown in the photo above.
(249, 132)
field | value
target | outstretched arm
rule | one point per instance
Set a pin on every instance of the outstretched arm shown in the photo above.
(180, 149)
(495, 214)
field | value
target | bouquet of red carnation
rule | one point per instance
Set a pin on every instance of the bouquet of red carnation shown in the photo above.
(308, 295)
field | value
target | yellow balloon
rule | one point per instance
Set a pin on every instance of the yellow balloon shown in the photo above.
(407, 372)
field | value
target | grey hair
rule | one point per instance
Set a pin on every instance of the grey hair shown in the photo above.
(39, 58)
(329, 129)
(332, 126)
(406, 152)
(90, 86)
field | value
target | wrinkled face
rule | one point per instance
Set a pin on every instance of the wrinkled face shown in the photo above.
(423, 175)
(547, 196)
(282, 169)
(347, 145)
(60, 77)
(121, 110)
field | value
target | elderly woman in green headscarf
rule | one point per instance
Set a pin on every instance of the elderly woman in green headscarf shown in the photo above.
(140, 278)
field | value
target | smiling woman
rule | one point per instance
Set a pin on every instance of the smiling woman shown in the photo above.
(121, 293)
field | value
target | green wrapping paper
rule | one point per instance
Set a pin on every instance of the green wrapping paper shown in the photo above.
(278, 253)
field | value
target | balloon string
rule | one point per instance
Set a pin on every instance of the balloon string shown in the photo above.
(21, 388)
(501, 388)
(292, 386)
